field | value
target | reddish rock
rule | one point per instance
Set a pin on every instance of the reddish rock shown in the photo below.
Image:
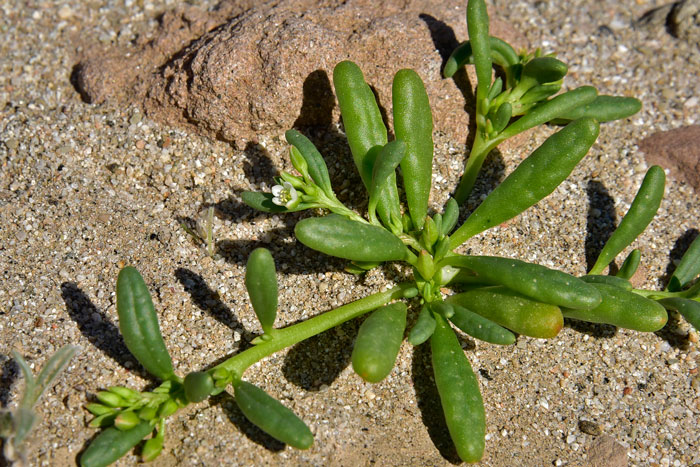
(122, 74)
(678, 151)
(244, 70)
(604, 451)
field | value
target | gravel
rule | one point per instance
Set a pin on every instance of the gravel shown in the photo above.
(87, 189)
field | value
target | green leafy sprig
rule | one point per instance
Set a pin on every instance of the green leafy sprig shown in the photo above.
(16, 425)
(489, 298)
(528, 92)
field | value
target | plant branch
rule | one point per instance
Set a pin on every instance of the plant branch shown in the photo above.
(296, 333)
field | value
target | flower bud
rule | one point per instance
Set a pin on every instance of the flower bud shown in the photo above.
(98, 409)
(430, 232)
(127, 394)
(293, 180)
(299, 162)
(425, 265)
(110, 399)
(148, 413)
(103, 420)
(126, 420)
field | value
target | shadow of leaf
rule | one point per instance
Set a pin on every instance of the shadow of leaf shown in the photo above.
(319, 360)
(258, 167)
(677, 252)
(596, 330)
(10, 374)
(673, 333)
(600, 221)
(96, 326)
(443, 37)
(428, 401)
(445, 42)
(318, 101)
(298, 259)
(207, 299)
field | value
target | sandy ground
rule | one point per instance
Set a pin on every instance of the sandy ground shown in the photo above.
(86, 189)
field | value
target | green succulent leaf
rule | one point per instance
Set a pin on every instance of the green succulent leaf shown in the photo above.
(544, 70)
(689, 309)
(365, 131)
(603, 108)
(688, 269)
(532, 280)
(111, 444)
(536, 177)
(316, 165)
(271, 416)
(616, 281)
(343, 238)
(413, 124)
(478, 27)
(139, 326)
(198, 386)
(512, 310)
(378, 342)
(261, 284)
(550, 110)
(630, 265)
(384, 172)
(479, 327)
(623, 309)
(459, 393)
(502, 54)
(423, 327)
(640, 214)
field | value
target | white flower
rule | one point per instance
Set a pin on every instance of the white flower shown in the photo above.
(285, 195)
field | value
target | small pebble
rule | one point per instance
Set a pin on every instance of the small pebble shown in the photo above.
(65, 12)
(590, 428)
(695, 383)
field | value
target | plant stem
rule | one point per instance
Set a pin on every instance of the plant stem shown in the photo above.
(477, 155)
(291, 335)
(335, 206)
(482, 146)
(210, 231)
(659, 294)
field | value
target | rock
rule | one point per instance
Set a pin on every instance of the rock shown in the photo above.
(245, 70)
(120, 75)
(684, 20)
(678, 151)
(590, 428)
(65, 12)
(681, 19)
(604, 451)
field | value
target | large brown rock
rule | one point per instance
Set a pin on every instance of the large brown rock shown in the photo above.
(678, 151)
(243, 70)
